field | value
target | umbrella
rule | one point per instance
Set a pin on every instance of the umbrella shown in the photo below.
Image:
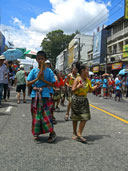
(13, 54)
(123, 72)
(30, 53)
(91, 73)
(105, 74)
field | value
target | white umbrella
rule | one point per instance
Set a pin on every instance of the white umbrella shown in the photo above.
(30, 53)
(91, 73)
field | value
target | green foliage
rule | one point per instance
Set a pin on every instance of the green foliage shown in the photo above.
(54, 43)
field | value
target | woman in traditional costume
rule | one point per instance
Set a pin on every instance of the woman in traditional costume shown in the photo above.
(70, 79)
(79, 104)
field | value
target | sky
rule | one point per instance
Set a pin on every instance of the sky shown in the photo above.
(26, 22)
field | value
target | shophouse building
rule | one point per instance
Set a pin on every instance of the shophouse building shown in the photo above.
(117, 46)
(78, 48)
(97, 55)
(62, 60)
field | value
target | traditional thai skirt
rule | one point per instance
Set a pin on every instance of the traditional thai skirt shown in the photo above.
(57, 95)
(41, 116)
(69, 94)
(80, 108)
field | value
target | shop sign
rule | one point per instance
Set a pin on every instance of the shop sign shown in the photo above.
(126, 9)
(125, 51)
(117, 66)
(96, 69)
(71, 56)
(97, 45)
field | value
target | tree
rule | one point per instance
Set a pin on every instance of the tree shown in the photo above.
(54, 43)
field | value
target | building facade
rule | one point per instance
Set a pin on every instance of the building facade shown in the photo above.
(2, 43)
(117, 45)
(97, 55)
(62, 60)
(83, 44)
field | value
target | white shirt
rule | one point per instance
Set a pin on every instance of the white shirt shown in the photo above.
(3, 73)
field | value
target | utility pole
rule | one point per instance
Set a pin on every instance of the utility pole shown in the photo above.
(106, 64)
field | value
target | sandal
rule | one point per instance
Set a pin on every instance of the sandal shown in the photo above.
(54, 121)
(52, 137)
(66, 118)
(36, 137)
(81, 139)
(18, 102)
(74, 137)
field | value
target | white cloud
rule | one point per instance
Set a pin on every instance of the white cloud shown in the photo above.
(68, 15)
(22, 38)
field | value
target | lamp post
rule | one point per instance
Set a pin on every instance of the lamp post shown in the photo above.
(106, 64)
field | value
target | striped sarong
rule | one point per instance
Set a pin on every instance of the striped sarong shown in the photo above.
(41, 115)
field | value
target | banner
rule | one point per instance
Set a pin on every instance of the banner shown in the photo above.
(126, 9)
(125, 51)
(117, 66)
(96, 69)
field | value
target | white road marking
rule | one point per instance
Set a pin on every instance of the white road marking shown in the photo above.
(9, 108)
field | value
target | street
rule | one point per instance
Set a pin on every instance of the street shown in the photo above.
(106, 132)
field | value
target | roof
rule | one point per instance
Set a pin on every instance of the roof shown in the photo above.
(116, 22)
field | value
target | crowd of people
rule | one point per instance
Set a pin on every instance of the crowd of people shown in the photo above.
(110, 86)
(50, 88)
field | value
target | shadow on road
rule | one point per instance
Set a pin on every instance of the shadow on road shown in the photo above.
(92, 138)
(5, 105)
(44, 139)
(4, 114)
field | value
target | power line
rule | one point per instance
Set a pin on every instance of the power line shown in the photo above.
(102, 19)
(88, 25)
(96, 16)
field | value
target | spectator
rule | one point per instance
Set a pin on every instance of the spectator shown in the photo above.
(3, 73)
(21, 83)
(6, 81)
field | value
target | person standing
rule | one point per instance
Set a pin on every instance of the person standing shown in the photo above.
(3, 75)
(118, 84)
(20, 80)
(6, 82)
(41, 79)
(79, 104)
(127, 86)
(105, 87)
(70, 79)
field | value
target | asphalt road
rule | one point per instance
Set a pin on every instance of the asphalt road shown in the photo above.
(107, 139)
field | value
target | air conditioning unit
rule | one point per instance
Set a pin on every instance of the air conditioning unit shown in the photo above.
(112, 59)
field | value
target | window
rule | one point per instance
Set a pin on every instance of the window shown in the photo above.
(117, 28)
(125, 23)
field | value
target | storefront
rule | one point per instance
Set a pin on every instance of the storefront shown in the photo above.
(116, 67)
(95, 69)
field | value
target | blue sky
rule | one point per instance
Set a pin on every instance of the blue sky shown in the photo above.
(35, 18)
(25, 9)
(22, 9)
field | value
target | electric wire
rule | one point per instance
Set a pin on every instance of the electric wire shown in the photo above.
(87, 26)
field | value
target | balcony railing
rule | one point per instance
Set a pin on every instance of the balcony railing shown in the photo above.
(117, 35)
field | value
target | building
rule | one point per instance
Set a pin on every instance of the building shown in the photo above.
(117, 45)
(99, 51)
(62, 60)
(78, 48)
(2, 43)
(83, 44)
